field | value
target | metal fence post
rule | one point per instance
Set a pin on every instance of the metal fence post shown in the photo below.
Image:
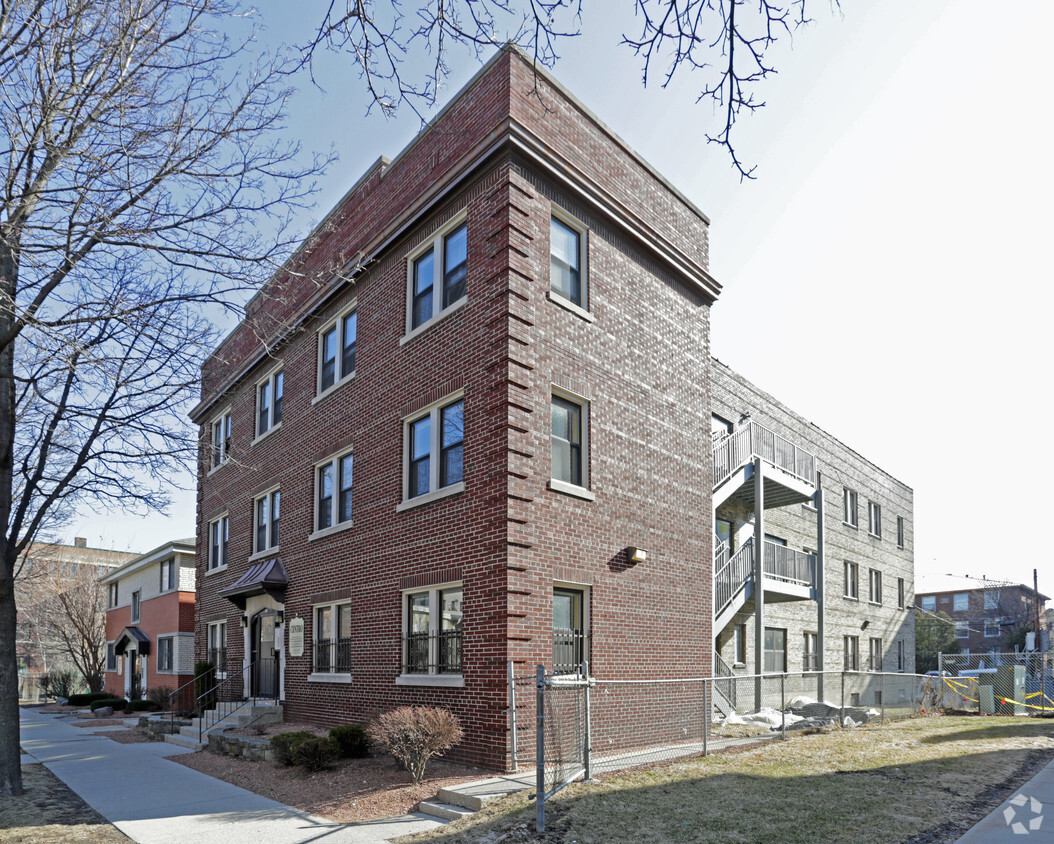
(783, 704)
(513, 728)
(706, 720)
(587, 749)
(882, 694)
(940, 663)
(842, 724)
(539, 677)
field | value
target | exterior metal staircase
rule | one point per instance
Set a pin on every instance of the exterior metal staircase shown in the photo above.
(791, 474)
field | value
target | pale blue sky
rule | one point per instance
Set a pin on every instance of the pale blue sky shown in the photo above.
(884, 275)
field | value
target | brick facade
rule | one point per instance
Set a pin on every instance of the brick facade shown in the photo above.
(987, 616)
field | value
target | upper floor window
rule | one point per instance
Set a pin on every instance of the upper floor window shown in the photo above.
(437, 276)
(435, 445)
(900, 531)
(874, 519)
(929, 603)
(113, 595)
(901, 597)
(570, 425)
(991, 599)
(135, 605)
(269, 403)
(991, 627)
(567, 260)
(960, 601)
(268, 507)
(168, 575)
(874, 590)
(962, 630)
(333, 480)
(221, 438)
(849, 506)
(851, 574)
(336, 350)
(219, 536)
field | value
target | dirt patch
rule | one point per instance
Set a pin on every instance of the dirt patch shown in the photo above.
(97, 722)
(127, 736)
(50, 813)
(268, 730)
(352, 791)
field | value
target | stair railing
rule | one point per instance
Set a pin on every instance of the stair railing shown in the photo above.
(733, 576)
(724, 680)
(181, 700)
(231, 693)
(755, 440)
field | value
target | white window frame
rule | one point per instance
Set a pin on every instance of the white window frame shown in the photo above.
(875, 652)
(340, 377)
(853, 651)
(221, 524)
(580, 309)
(437, 245)
(270, 546)
(220, 446)
(991, 624)
(136, 612)
(962, 630)
(173, 575)
(965, 596)
(216, 625)
(431, 678)
(851, 586)
(556, 484)
(170, 669)
(992, 598)
(270, 381)
(435, 492)
(850, 515)
(931, 600)
(334, 526)
(811, 646)
(330, 676)
(874, 586)
(874, 519)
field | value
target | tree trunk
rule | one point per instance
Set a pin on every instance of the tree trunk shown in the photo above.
(10, 765)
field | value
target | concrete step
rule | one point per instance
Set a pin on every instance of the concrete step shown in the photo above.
(446, 811)
(473, 795)
(184, 741)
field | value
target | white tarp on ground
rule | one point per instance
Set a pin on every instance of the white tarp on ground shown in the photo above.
(764, 717)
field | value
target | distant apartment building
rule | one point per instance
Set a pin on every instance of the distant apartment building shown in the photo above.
(986, 617)
(150, 621)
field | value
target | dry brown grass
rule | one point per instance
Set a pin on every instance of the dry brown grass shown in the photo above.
(928, 777)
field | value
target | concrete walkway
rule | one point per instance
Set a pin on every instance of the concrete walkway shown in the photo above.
(155, 801)
(1027, 816)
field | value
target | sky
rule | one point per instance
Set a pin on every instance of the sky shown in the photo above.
(884, 275)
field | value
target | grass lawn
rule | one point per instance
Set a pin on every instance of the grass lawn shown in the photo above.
(925, 779)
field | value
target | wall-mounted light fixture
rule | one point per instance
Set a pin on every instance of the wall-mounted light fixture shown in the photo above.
(637, 555)
(864, 625)
(280, 618)
(245, 621)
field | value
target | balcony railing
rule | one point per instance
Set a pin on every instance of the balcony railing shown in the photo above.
(569, 650)
(432, 653)
(333, 656)
(783, 563)
(810, 662)
(754, 440)
(874, 663)
(851, 662)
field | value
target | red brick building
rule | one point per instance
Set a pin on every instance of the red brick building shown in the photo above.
(987, 616)
(468, 423)
(150, 621)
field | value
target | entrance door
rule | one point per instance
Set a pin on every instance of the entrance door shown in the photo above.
(264, 681)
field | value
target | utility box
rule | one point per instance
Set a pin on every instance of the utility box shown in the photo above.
(986, 700)
(1010, 689)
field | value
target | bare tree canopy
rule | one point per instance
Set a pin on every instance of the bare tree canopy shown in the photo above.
(724, 42)
(142, 177)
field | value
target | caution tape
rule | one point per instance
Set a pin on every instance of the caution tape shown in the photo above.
(952, 684)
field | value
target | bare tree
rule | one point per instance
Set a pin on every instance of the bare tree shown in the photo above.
(142, 179)
(726, 42)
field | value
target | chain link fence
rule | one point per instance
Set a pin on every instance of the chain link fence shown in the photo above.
(999, 683)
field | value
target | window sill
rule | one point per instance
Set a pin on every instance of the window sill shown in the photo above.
(570, 489)
(329, 678)
(429, 497)
(428, 323)
(266, 434)
(215, 570)
(332, 388)
(263, 555)
(875, 603)
(216, 468)
(568, 305)
(851, 598)
(874, 535)
(739, 665)
(850, 525)
(449, 680)
(332, 529)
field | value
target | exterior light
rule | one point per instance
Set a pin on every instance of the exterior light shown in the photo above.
(637, 555)
(280, 618)
(245, 621)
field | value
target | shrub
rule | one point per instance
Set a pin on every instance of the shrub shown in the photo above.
(414, 734)
(143, 706)
(116, 702)
(283, 745)
(353, 741)
(315, 752)
(160, 696)
(88, 697)
(205, 684)
(61, 683)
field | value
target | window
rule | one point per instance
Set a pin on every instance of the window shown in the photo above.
(929, 603)
(719, 428)
(432, 642)
(991, 599)
(775, 650)
(962, 630)
(164, 653)
(135, 605)
(874, 661)
(443, 265)
(569, 630)
(566, 261)
(268, 509)
(435, 450)
(902, 658)
(811, 652)
(874, 586)
(960, 601)
(221, 439)
(569, 418)
(111, 657)
(739, 635)
(900, 531)
(850, 587)
(901, 596)
(333, 481)
(851, 649)
(723, 530)
(113, 594)
(219, 536)
(333, 639)
(991, 627)
(269, 403)
(217, 646)
(168, 575)
(849, 506)
(336, 350)
(874, 519)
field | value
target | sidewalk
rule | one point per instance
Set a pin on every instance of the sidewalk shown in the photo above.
(1027, 816)
(155, 801)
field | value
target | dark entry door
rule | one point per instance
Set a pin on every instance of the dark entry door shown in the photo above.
(265, 666)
